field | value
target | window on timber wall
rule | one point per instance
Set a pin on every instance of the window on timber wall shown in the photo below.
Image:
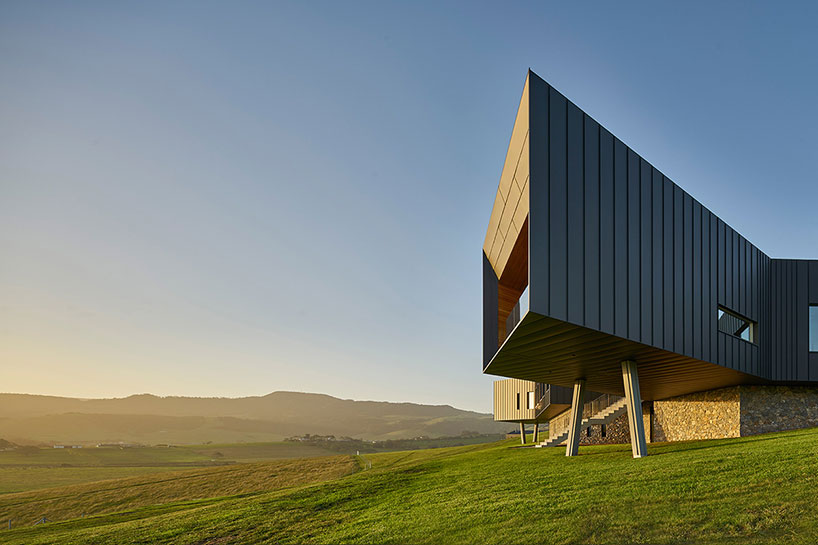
(813, 328)
(531, 401)
(518, 401)
(731, 323)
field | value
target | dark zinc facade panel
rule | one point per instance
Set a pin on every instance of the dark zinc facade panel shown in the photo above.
(539, 218)
(646, 252)
(634, 215)
(794, 285)
(558, 200)
(678, 271)
(576, 203)
(667, 263)
(687, 274)
(616, 246)
(705, 287)
(802, 318)
(696, 293)
(714, 347)
(657, 294)
(592, 222)
(490, 306)
(620, 263)
(606, 231)
(813, 283)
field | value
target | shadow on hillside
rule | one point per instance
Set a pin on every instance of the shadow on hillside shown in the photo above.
(706, 444)
(669, 447)
(659, 449)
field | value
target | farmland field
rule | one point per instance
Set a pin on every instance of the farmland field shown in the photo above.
(30, 469)
(747, 490)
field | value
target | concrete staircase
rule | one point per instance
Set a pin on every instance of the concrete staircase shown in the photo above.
(605, 416)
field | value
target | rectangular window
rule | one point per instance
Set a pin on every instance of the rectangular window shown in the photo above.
(813, 328)
(530, 400)
(518, 401)
(731, 323)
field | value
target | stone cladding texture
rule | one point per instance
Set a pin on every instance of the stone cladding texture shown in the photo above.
(736, 411)
(776, 408)
(713, 414)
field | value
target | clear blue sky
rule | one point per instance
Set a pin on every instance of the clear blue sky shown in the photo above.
(231, 198)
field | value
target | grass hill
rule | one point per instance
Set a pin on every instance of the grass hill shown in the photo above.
(171, 487)
(150, 419)
(749, 490)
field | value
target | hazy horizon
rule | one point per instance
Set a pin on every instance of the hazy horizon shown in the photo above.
(137, 394)
(222, 200)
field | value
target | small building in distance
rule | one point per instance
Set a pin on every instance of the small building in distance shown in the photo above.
(525, 402)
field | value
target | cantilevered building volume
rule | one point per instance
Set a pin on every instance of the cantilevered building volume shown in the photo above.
(601, 274)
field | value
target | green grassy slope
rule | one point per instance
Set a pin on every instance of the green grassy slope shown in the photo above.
(750, 490)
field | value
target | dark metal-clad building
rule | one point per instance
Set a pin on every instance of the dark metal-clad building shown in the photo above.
(593, 258)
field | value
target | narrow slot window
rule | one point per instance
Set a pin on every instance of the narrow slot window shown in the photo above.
(738, 326)
(813, 328)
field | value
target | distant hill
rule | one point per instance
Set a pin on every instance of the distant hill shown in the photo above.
(151, 419)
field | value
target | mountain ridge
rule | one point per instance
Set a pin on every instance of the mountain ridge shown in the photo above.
(150, 419)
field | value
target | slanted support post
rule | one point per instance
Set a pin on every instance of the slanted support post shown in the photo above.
(536, 435)
(575, 424)
(522, 433)
(633, 398)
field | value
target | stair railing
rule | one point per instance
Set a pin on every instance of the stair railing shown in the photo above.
(599, 404)
(589, 409)
(543, 393)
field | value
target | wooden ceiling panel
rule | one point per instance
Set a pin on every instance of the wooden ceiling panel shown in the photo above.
(543, 349)
(511, 200)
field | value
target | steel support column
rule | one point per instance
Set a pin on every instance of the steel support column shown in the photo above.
(633, 398)
(575, 424)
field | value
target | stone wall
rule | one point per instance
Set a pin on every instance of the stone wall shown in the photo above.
(559, 423)
(616, 432)
(766, 409)
(713, 414)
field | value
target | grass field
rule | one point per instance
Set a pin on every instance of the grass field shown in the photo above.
(749, 490)
(169, 487)
(23, 471)
(27, 469)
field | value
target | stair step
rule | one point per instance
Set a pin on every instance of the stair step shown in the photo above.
(604, 416)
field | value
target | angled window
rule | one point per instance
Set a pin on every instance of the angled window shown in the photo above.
(731, 323)
(519, 310)
(813, 328)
